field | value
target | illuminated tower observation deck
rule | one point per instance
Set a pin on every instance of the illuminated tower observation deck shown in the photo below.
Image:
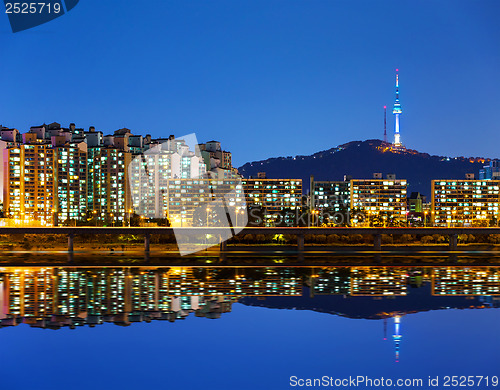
(397, 111)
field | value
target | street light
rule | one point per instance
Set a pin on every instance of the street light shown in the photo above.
(237, 212)
(425, 218)
(315, 212)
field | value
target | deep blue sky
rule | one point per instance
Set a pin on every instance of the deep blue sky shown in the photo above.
(250, 348)
(265, 77)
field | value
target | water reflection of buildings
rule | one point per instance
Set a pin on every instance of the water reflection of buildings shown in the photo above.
(396, 281)
(382, 281)
(365, 281)
(468, 281)
(330, 281)
(56, 297)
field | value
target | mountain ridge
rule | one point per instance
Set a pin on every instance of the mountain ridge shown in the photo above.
(367, 307)
(360, 159)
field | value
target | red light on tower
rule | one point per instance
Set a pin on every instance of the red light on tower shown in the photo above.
(385, 107)
(397, 70)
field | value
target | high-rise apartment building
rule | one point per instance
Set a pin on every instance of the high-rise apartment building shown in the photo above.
(214, 156)
(465, 202)
(331, 201)
(382, 199)
(108, 190)
(45, 182)
(29, 184)
(152, 171)
(278, 199)
(71, 181)
(196, 202)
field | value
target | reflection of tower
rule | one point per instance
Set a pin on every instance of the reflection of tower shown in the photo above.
(385, 329)
(397, 111)
(397, 336)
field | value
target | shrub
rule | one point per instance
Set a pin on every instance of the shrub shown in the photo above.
(463, 238)
(356, 238)
(436, 237)
(387, 239)
(494, 238)
(405, 238)
(321, 239)
(248, 238)
(260, 238)
(427, 239)
(441, 239)
(332, 238)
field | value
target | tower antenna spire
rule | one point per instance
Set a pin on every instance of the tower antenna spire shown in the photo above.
(385, 124)
(397, 111)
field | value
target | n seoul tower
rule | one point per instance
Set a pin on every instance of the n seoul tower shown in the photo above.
(397, 112)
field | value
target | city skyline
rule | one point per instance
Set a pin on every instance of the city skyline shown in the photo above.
(265, 83)
(56, 176)
(310, 188)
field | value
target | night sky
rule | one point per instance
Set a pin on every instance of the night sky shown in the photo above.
(293, 77)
